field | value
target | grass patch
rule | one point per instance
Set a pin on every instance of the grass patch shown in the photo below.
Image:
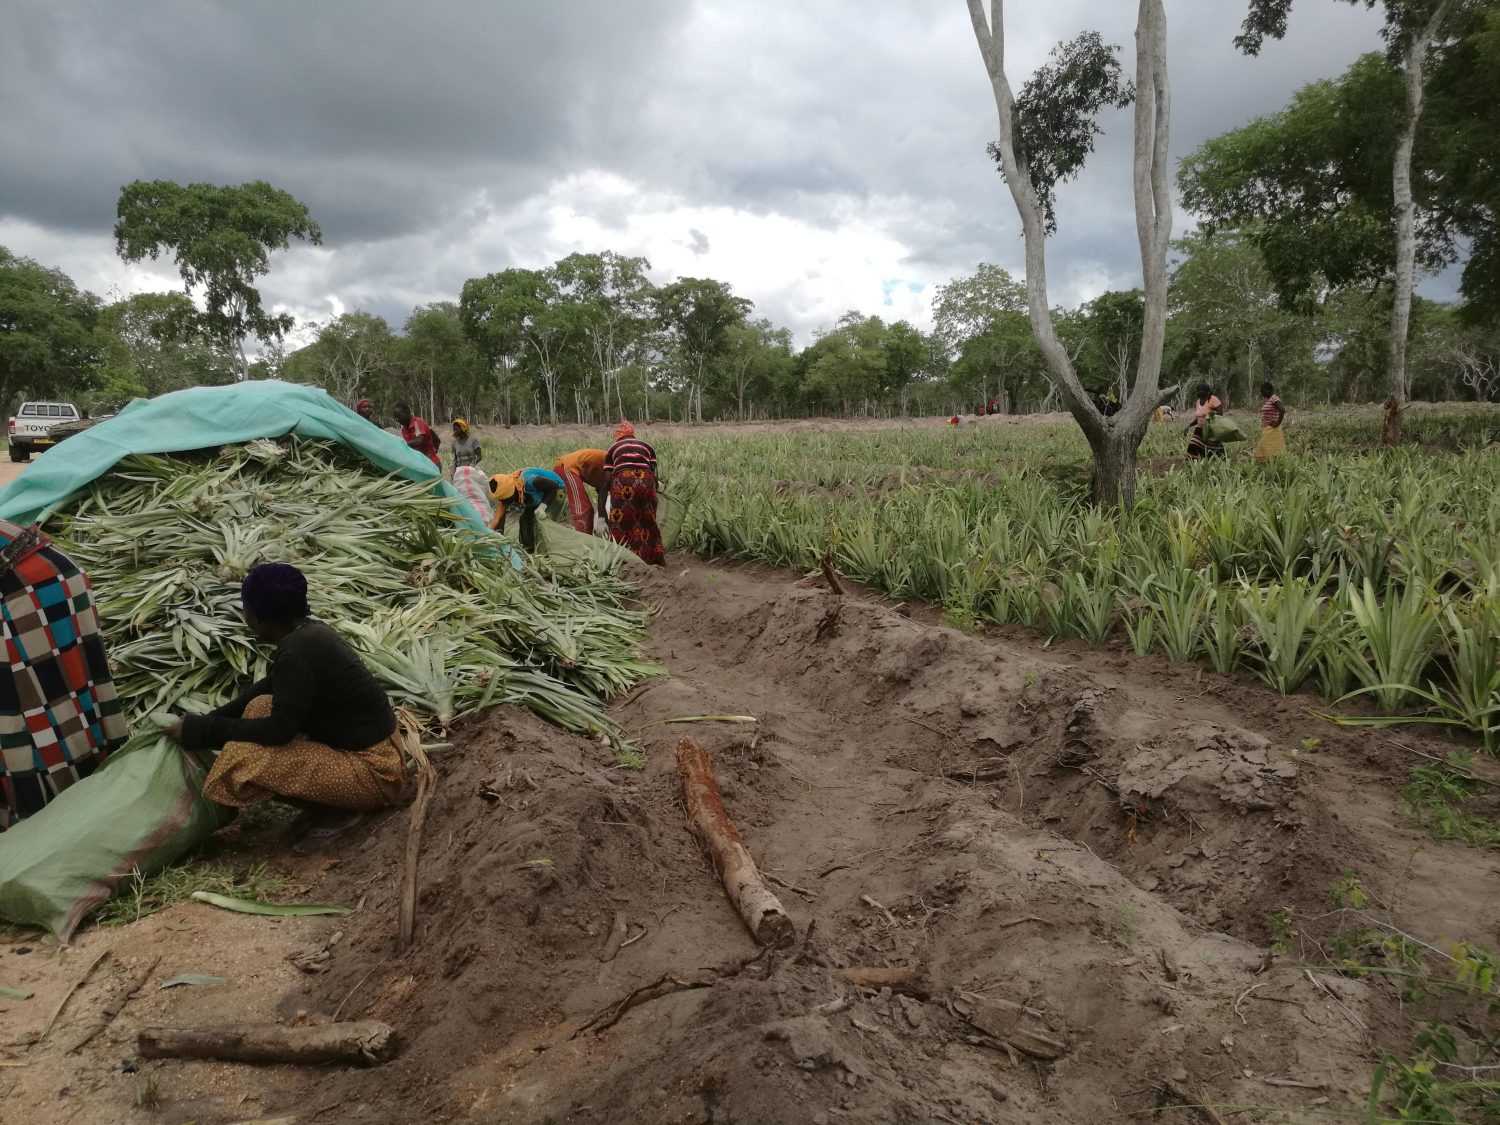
(141, 895)
(1435, 795)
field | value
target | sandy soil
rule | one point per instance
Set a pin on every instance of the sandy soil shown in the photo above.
(1079, 850)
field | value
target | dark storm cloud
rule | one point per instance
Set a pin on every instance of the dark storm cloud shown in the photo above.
(378, 113)
(436, 142)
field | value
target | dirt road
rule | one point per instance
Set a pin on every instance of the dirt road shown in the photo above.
(9, 471)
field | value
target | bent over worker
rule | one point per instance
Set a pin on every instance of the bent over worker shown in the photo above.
(581, 470)
(525, 490)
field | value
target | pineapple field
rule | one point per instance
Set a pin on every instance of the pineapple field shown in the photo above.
(1189, 814)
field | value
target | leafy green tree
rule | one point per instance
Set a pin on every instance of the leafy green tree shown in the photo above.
(1110, 327)
(908, 364)
(610, 295)
(695, 315)
(437, 361)
(357, 353)
(221, 238)
(1045, 135)
(153, 345)
(513, 318)
(981, 324)
(757, 360)
(849, 364)
(1227, 318)
(49, 344)
(1372, 215)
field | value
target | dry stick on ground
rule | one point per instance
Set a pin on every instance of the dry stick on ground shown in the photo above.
(108, 1013)
(406, 726)
(664, 985)
(66, 996)
(616, 940)
(761, 910)
(831, 576)
(363, 1043)
(780, 882)
(870, 902)
(900, 978)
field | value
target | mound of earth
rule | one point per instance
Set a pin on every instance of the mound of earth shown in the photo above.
(1030, 885)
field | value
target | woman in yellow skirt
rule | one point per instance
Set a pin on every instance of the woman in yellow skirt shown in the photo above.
(1272, 441)
(319, 732)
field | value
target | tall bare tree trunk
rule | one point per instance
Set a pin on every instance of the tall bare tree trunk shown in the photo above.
(1115, 440)
(1406, 226)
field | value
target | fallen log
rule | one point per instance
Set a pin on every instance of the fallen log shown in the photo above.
(760, 909)
(361, 1043)
(408, 734)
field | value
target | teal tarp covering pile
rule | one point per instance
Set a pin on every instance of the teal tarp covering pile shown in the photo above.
(144, 807)
(200, 418)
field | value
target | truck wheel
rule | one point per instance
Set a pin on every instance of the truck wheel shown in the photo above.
(20, 453)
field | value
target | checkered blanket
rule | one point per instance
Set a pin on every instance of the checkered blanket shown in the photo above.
(59, 714)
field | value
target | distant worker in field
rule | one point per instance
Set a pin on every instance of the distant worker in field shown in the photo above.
(581, 470)
(526, 490)
(468, 476)
(466, 450)
(417, 433)
(1272, 441)
(318, 732)
(59, 714)
(630, 485)
(365, 409)
(1199, 446)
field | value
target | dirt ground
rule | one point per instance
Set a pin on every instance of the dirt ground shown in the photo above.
(1078, 851)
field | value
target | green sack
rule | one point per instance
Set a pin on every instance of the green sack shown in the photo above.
(1222, 429)
(142, 810)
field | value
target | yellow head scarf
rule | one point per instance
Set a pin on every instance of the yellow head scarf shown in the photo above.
(462, 426)
(504, 486)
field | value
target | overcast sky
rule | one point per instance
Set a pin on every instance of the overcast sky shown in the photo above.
(818, 156)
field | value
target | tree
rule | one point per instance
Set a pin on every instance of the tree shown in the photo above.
(757, 357)
(1045, 136)
(152, 345)
(1110, 329)
(849, 364)
(695, 315)
(221, 238)
(356, 353)
(437, 360)
(1413, 29)
(48, 340)
(908, 361)
(611, 299)
(513, 319)
(1225, 310)
(981, 324)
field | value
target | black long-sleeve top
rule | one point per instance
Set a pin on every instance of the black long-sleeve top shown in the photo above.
(319, 688)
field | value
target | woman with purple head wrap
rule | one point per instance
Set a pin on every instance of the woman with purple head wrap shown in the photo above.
(319, 732)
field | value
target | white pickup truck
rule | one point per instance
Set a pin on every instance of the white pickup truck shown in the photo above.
(29, 426)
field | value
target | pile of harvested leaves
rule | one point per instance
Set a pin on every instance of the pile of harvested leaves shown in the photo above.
(436, 609)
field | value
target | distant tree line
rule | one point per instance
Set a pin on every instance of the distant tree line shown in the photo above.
(592, 337)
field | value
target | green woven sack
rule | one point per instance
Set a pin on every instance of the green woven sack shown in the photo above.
(1222, 429)
(141, 810)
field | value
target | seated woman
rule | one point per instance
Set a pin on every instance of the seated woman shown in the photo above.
(318, 733)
